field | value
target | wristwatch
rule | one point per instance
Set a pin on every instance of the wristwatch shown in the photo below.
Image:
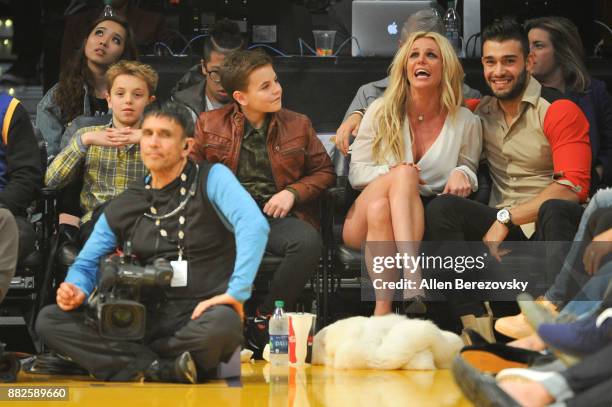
(504, 217)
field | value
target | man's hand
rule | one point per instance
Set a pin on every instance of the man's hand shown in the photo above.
(494, 237)
(69, 296)
(596, 251)
(458, 184)
(218, 300)
(349, 127)
(280, 204)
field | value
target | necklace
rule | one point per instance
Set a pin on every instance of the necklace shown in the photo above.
(185, 197)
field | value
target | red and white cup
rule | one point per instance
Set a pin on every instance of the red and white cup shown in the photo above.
(301, 334)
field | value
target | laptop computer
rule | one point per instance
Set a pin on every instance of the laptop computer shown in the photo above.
(377, 24)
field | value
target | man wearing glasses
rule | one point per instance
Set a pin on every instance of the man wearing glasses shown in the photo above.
(205, 94)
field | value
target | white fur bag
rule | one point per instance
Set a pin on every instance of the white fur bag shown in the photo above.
(385, 342)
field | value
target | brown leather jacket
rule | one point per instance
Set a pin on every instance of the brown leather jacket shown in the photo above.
(297, 157)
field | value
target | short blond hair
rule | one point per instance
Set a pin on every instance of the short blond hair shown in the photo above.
(132, 68)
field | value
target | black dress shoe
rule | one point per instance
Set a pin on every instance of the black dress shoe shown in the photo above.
(179, 370)
(480, 388)
(50, 363)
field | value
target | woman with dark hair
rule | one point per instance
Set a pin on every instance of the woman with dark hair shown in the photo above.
(558, 62)
(82, 85)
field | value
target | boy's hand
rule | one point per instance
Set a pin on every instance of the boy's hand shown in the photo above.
(280, 204)
(126, 135)
(112, 137)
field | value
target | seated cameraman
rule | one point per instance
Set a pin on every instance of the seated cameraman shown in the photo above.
(184, 213)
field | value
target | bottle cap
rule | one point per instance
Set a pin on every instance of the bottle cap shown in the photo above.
(279, 303)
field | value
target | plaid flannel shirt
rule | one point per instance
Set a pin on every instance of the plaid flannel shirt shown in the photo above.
(107, 171)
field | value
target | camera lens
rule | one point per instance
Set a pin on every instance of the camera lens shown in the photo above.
(122, 317)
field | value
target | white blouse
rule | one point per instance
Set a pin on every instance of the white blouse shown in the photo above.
(457, 147)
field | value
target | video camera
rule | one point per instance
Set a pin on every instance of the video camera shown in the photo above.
(116, 307)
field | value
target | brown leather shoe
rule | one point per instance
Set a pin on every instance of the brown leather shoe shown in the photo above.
(518, 327)
(515, 326)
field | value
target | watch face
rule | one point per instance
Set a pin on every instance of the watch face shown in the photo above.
(503, 216)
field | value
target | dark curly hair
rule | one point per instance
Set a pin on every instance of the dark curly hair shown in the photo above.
(69, 93)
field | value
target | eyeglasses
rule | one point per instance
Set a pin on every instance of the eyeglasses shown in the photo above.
(214, 76)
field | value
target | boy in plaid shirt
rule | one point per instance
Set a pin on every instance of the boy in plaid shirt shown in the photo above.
(108, 157)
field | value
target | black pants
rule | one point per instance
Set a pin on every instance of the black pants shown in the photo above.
(212, 338)
(86, 229)
(456, 219)
(8, 250)
(558, 220)
(451, 218)
(300, 246)
(591, 380)
(557, 224)
(27, 237)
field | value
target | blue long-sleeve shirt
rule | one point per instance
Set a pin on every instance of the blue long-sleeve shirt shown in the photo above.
(231, 201)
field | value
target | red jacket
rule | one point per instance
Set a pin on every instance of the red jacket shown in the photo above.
(297, 157)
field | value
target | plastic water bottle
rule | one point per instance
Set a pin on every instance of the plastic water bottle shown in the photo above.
(452, 23)
(279, 336)
(108, 9)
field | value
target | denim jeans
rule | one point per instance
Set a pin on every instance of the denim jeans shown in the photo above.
(558, 292)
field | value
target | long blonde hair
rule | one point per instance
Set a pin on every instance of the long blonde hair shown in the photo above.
(389, 118)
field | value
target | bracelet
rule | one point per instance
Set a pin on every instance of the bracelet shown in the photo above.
(360, 112)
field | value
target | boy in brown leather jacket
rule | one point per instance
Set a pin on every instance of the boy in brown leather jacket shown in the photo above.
(277, 157)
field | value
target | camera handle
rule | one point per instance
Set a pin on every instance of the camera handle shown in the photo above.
(128, 249)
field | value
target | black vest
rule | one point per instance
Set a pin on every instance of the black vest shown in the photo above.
(209, 245)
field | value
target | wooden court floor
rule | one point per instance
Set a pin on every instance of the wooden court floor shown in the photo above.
(303, 387)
